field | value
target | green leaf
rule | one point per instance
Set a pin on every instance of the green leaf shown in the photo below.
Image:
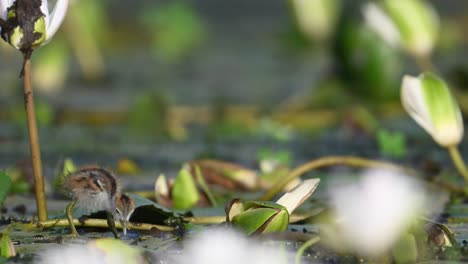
(184, 193)
(250, 221)
(5, 184)
(7, 249)
(391, 144)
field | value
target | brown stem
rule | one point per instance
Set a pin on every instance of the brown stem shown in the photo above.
(34, 142)
(329, 161)
(91, 222)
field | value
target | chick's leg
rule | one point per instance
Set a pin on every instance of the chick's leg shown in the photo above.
(69, 213)
(111, 224)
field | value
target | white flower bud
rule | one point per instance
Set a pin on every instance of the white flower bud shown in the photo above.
(428, 100)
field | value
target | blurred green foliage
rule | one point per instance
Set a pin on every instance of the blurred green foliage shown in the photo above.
(51, 65)
(62, 171)
(282, 157)
(175, 29)
(5, 185)
(19, 183)
(90, 20)
(45, 114)
(147, 116)
(391, 144)
(373, 69)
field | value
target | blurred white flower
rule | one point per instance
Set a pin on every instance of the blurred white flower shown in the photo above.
(414, 24)
(99, 251)
(16, 32)
(428, 100)
(228, 247)
(373, 212)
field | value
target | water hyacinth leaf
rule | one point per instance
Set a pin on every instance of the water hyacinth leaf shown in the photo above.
(428, 100)
(5, 184)
(184, 192)
(293, 199)
(7, 250)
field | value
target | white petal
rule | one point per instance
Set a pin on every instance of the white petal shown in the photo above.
(56, 18)
(45, 10)
(378, 21)
(4, 5)
(413, 101)
(293, 199)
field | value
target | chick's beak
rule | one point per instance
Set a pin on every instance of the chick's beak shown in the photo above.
(124, 227)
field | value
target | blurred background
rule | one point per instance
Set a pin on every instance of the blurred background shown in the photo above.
(158, 83)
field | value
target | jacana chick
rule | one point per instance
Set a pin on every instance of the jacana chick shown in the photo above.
(97, 189)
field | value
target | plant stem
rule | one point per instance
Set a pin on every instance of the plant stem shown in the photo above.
(304, 246)
(92, 222)
(218, 219)
(34, 142)
(329, 161)
(425, 63)
(204, 186)
(458, 162)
